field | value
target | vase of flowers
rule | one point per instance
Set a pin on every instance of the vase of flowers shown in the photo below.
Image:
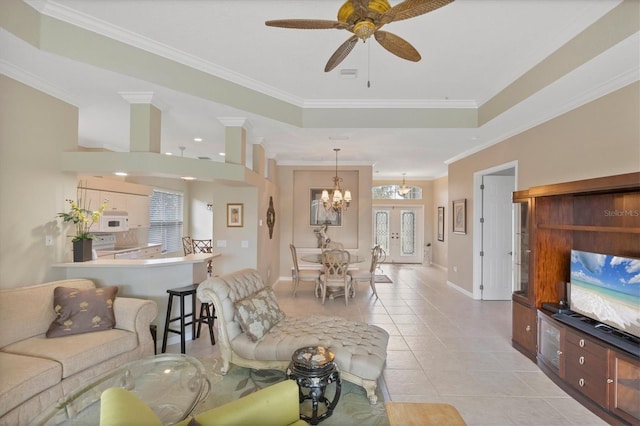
(83, 218)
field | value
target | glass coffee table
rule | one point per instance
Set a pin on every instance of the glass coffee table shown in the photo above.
(171, 384)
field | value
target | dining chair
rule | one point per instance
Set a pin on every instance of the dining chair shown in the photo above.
(303, 274)
(187, 245)
(377, 257)
(203, 246)
(335, 264)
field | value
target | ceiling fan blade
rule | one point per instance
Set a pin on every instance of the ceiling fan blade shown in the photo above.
(342, 52)
(410, 9)
(397, 45)
(306, 24)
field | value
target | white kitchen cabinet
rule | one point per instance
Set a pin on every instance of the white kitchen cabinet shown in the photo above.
(115, 200)
(138, 208)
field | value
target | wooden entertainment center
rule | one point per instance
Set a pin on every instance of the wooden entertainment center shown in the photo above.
(600, 215)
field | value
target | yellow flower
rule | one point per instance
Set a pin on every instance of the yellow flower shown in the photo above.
(81, 215)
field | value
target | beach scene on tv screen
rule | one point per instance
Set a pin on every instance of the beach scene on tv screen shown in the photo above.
(607, 289)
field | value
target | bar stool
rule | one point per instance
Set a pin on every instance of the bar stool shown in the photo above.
(208, 317)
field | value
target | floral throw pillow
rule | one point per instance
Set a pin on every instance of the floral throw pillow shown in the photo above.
(258, 312)
(82, 310)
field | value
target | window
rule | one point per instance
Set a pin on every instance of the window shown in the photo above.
(390, 192)
(165, 220)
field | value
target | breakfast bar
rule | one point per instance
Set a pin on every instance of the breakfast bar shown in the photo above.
(142, 278)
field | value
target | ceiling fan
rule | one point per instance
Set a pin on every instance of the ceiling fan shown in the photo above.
(364, 18)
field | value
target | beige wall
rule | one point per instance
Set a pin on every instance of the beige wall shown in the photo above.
(34, 129)
(293, 209)
(601, 138)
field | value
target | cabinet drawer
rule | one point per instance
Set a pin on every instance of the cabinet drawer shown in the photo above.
(586, 345)
(587, 372)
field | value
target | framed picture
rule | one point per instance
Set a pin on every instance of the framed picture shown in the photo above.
(460, 216)
(440, 223)
(235, 215)
(318, 215)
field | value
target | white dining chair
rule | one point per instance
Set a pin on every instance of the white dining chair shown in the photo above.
(336, 264)
(303, 274)
(377, 257)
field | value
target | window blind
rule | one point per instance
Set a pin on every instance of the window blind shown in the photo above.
(165, 220)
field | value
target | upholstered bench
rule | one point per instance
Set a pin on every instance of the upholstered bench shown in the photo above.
(254, 333)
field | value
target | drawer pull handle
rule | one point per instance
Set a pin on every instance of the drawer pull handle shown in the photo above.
(609, 380)
(581, 360)
(559, 353)
(582, 343)
(528, 328)
(581, 382)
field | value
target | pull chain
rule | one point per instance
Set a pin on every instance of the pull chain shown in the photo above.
(369, 66)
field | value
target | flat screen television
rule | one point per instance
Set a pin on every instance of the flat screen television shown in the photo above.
(606, 289)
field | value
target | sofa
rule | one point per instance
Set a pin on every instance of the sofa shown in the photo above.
(37, 370)
(254, 333)
(276, 405)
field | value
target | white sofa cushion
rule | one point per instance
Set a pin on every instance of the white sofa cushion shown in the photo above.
(28, 311)
(24, 377)
(78, 352)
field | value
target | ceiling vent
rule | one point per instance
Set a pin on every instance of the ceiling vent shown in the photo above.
(349, 74)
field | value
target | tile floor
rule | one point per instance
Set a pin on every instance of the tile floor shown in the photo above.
(443, 347)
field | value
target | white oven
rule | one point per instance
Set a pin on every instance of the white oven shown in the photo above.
(113, 221)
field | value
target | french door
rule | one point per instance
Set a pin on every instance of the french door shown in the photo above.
(399, 231)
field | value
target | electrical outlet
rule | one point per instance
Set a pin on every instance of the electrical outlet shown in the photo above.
(48, 240)
(455, 269)
(244, 244)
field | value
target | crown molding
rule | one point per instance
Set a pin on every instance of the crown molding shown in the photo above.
(615, 83)
(392, 103)
(25, 77)
(87, 22)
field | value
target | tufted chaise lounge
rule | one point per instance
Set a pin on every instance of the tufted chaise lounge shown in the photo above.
(360, 349)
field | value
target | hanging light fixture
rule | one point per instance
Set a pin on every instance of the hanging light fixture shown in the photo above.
(404, 189)
(334, 199)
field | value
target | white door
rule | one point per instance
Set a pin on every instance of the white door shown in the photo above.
(398, 230)
(497, 237)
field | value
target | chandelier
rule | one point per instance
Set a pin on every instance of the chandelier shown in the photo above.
(404, 189)
(333, 199)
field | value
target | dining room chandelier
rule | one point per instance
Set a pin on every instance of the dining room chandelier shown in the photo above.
(334, 199)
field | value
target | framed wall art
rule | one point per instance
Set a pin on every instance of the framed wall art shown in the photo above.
(441, 223)
(460, 216)
(318, 215)
(235, 215)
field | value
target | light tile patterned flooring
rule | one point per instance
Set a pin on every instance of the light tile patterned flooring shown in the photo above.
(443, 347)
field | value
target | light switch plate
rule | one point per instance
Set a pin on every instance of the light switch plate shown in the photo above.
(244, 244)
(221, 243)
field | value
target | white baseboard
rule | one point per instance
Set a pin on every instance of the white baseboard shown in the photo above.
(460, 289)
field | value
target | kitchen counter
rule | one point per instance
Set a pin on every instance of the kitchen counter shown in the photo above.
(143, 278)
(138, 263)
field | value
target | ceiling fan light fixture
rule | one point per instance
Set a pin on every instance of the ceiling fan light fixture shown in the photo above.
(364, 29)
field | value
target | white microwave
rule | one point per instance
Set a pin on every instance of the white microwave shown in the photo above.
(113, 221)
